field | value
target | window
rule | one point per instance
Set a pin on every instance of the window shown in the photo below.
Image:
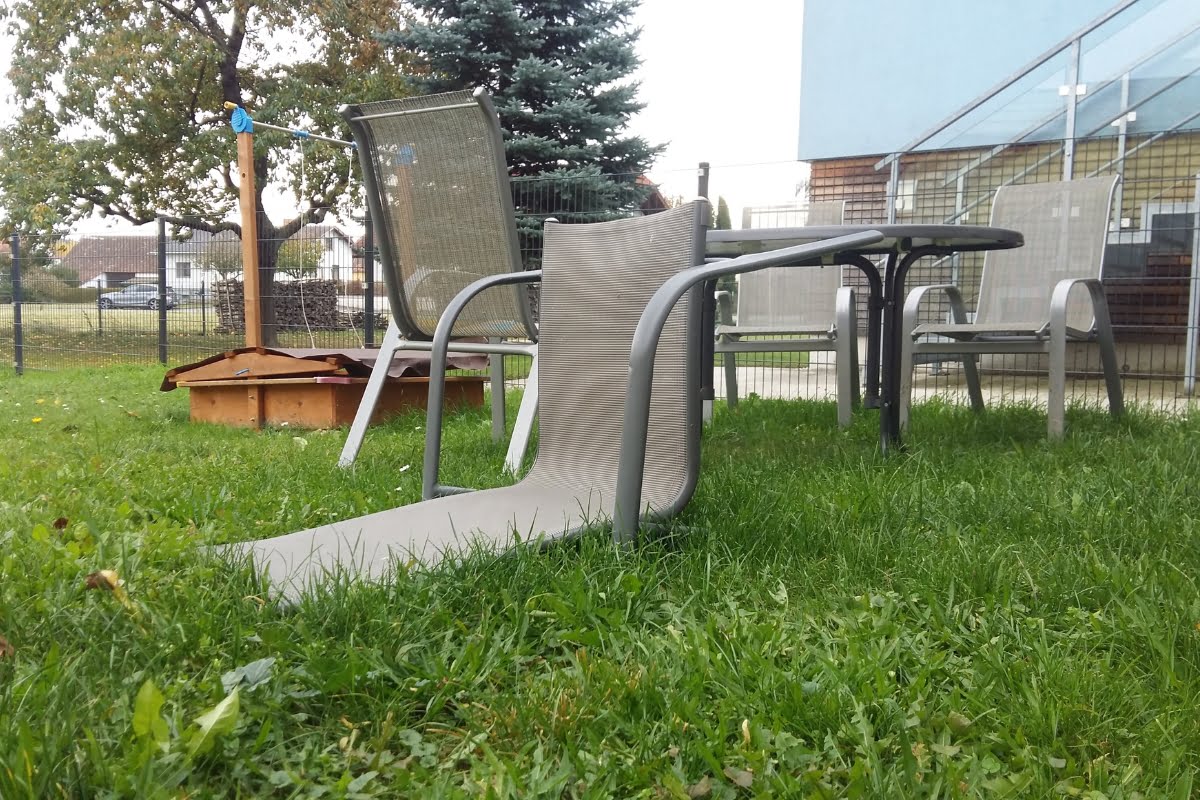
(183, 269)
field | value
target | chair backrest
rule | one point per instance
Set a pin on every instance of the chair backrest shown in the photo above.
(596, 280)
(1065, 225)
(793, 298)
(438, 191)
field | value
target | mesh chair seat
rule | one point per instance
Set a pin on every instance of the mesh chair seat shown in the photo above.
(371, 547)
(971, 330)
(596, 280)
(770, 330)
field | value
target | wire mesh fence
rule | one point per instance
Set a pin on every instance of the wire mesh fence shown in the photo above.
(1149, 263)
(176, 297)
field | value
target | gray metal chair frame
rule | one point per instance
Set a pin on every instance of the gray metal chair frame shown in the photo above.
(434, 170)
(1065, 225)
(596, 279)
(811, 303)
(620, 353)
(646, 343)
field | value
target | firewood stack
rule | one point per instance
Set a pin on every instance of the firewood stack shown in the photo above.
(299, 305)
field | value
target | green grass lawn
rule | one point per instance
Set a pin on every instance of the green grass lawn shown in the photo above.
(987, 615)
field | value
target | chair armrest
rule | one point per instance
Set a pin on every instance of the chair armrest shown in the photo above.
(912, 304)
(1062, 292)
(845, 318)
(437, 369)
(628, 500)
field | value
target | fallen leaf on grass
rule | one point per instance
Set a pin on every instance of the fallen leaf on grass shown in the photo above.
(133, 414)
(61, 523)
(103, 579)
(6, 649)
(701, 788)
(108, 580)
(740, 777)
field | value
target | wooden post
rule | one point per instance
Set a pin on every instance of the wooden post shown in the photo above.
(249, 205)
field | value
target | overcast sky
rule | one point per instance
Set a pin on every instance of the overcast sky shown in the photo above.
(721, 83)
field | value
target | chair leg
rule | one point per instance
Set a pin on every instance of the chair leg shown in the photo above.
(906, 373)
(366, 408)
(523, 427)
(974, 390)
(846, 348)
(731, 387)
(1057, 401)
(497, 382)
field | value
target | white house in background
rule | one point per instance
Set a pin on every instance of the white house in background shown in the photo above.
(103, 262)
(197, 262)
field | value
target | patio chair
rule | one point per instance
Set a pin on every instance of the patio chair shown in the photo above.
(597, 278)
(1023, 294)
(438, 191)
(808, 302)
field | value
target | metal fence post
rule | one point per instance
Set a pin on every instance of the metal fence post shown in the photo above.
(162, 290)
(18, 332)
(893, 189)
(369, 280)
(708, 313)
(1193, 323)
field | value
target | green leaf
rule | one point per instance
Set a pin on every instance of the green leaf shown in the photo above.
(147, 719)
(358, 783)
(214, 723)
(253, 674)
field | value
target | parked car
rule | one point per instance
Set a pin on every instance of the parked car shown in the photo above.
(136, 295)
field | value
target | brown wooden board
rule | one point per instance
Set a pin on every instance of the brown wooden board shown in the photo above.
(255, 364)
(316, 402)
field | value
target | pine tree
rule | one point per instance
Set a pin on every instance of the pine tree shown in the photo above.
(557, 71)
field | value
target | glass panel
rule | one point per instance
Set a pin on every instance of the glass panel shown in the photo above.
(1032, 103)
(1155, 43)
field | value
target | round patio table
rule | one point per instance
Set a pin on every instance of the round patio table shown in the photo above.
(901, 246)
